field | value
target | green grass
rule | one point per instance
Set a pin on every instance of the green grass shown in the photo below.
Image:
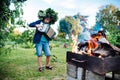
(21, 64)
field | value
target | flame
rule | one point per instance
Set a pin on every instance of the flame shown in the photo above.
(92, 44)
(74, 43)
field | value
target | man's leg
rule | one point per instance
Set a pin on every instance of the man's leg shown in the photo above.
(48, 63)
(39, 54)
(40, 64)
(39, 61)
(47, 60)
(47, 54)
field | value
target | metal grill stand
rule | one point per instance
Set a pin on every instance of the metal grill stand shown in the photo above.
(83, 67)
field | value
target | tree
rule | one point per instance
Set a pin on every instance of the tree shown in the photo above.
(118, 14)
(109, 17)
(65, 26)
(107, 13)
(7, 17)
(69, 25)
(4, 17)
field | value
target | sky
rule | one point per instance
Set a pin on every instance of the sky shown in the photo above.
(66, 8)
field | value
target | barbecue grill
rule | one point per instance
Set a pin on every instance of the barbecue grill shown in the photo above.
(79, 64)
(97, 65)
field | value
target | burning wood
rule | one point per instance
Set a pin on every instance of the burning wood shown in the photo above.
(96, 56)
(94, 47)
(102, 50)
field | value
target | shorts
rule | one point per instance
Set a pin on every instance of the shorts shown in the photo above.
(42, 46)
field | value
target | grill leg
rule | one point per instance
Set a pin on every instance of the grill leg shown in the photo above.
(83, 74)
(113, 76)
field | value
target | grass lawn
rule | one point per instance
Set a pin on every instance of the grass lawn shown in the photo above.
(21, 64)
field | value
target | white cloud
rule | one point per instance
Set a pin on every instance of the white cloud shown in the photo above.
(91, 21)
(63, 7)
(68, 4)
(89, 11)
(49, 1)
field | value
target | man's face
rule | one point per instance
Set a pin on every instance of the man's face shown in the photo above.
(47, 20)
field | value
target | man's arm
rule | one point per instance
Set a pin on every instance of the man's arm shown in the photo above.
(34, 24)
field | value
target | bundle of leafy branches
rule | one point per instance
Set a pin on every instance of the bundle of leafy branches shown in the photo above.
(48, 13)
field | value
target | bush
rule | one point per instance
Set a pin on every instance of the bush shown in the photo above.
(27, 45)
(114, 35)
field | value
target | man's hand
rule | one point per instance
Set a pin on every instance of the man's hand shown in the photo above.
(39, 25)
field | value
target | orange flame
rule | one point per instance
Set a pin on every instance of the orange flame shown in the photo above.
(92, 44)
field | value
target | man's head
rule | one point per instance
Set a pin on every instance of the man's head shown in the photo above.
(47, 20)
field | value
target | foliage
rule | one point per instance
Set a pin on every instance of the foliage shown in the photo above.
(69, 24)
(109, 17)
(27, 45)
(27, 37)
(61, 35)
(15, 37)
(114, 35)
(48, 13)
(24, 39)
(118, 14)
(6, 15)
(107, 13)
(54, 58)
(5, 50)
(65, 26)
(75, 25)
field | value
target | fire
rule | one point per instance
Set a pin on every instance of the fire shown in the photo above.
(92, 44)
(74, 43)
(95, 47)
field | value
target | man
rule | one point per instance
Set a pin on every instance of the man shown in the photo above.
(42, 43)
